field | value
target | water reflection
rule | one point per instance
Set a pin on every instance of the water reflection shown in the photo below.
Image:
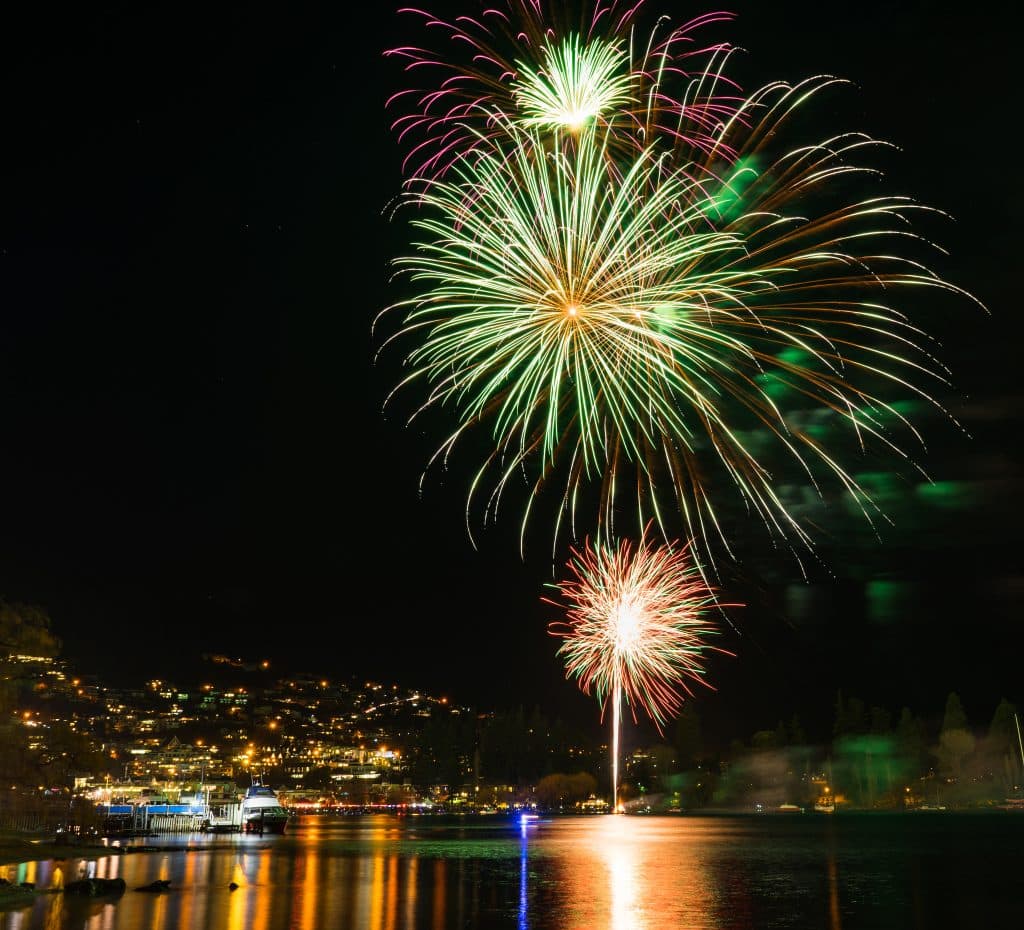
(306, 885)
(636, 874)
(834, 919)
(439, 894)
(523, 922)
(620, 856)
(599, 873)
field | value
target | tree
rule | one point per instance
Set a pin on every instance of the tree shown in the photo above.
(66, 754)
(911, 741)
(954, 718)
(559, 790)
(1002, 731)
(24, 631)
(850, 716)
(1002, 748)
(954, 746)
(881, 721)
(764, 740)
(956, 742)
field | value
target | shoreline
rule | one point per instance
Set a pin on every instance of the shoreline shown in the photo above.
(14, 851)
(17, 850)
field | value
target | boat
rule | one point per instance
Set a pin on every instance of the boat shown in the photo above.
(261, 810)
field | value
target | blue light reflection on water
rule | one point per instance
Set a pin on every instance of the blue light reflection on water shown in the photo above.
(523, 923)
(588, 873)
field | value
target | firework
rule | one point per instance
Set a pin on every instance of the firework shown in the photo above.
(628, 331)
(636, 626)
(546, 70)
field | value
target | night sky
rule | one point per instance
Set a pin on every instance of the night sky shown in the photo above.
(193, 456)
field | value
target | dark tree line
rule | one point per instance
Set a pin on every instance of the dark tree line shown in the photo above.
(874, 759)
(31, 756)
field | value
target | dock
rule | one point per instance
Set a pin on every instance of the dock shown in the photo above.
(152, 819)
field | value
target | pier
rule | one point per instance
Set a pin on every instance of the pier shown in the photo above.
(153, 819)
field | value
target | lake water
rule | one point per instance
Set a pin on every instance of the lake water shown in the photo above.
(844, 872)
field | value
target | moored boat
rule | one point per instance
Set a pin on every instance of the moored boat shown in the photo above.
(261, 810)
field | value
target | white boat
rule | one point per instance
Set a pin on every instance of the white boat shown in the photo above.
(261, 811)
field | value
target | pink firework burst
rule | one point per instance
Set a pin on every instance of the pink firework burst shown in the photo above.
(636, 626)
(503, 63)
(637, 623)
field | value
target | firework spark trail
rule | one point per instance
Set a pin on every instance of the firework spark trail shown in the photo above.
(635, 629)
(623, 264)
(597, 322)
(545, 68)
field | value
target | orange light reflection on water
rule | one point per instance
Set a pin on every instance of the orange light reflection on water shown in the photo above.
(307, 890)
(835, 921)
(264, 895)
(411, 869)
(594, 873)
(626, 910)
(391, 909)
(186, 914)
(238, 900)
(377, 893)
(629, 873)
(55, 913)
(159, 918)
(439, 894)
